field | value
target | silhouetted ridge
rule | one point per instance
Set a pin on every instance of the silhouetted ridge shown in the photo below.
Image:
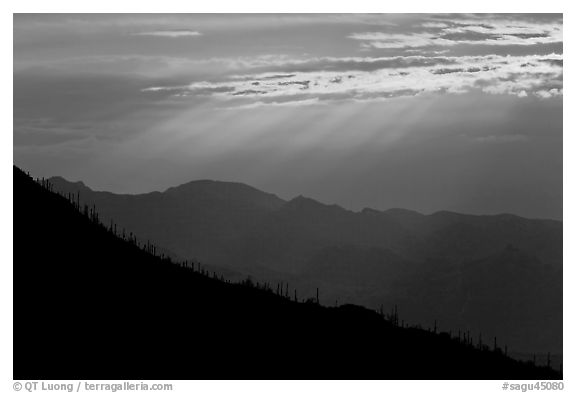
(60, 184)
(93, 303)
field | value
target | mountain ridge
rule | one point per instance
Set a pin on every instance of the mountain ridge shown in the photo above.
(60, 180)
(354, 256)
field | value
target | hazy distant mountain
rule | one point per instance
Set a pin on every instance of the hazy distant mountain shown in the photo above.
(489, 274)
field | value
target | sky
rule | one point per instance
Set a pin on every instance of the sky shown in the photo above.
(423, 112)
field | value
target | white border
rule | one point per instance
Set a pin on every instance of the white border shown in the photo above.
(295, 6)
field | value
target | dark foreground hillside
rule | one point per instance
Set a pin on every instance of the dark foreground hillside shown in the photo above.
(89, 305)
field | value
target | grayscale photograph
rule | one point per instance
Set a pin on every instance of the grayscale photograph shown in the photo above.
(288, 197)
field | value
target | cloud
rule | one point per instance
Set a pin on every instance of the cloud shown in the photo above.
(548, 93)
(466, 32)
(435, 25)
(276, 66)
(538, 75)
(170, 33)
(394, 40)
(281, 104)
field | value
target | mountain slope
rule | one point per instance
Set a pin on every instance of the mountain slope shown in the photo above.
(213, 211)
(395, 257)
(89, 305)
